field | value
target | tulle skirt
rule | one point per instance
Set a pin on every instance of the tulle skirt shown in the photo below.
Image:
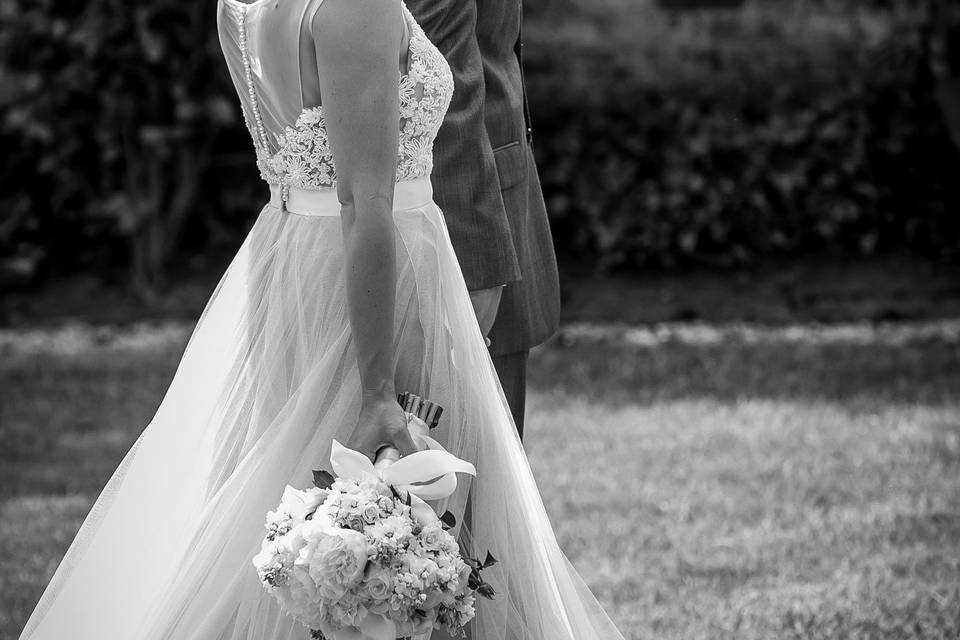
(268, 380)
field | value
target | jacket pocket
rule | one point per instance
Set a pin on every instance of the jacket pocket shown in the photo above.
(511, 159)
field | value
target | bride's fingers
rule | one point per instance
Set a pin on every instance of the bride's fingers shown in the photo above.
(404, 442)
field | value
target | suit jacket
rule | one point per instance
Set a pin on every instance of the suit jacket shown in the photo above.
(484, 176)
(944, 47)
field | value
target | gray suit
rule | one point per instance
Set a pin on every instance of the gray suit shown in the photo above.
(485, 180)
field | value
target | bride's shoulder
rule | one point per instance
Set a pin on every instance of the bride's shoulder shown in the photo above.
(354, 18)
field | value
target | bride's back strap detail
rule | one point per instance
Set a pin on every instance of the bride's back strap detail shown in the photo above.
(268, 72)
(275, 78)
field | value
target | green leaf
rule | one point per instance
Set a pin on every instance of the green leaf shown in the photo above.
(322, 479)
(448, 519)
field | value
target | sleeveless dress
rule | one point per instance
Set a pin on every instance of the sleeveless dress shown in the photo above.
(269, 379)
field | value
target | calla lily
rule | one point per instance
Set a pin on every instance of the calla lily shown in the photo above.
(424, 475)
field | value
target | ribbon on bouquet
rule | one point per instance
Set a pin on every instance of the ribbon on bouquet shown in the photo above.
(425, 475)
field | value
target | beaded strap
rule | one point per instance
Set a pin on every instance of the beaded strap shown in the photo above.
(261, 138)
(248, 76)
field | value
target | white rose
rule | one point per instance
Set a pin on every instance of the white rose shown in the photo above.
(336, 560)
(356, 522)
(371, 512)
(379, 584)
(432, 537)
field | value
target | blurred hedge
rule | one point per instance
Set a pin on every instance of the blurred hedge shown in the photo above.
(664, 138)
(783, 128)
(125, 144)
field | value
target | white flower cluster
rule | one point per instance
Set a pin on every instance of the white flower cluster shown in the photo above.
(333, 557)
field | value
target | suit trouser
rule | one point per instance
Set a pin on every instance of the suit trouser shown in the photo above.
(512, 370)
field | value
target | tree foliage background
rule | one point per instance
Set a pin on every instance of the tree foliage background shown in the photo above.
(668, 133)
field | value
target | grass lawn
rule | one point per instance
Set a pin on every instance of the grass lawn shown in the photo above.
(736, 490)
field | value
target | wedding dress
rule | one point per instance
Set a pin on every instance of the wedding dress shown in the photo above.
(269, 379)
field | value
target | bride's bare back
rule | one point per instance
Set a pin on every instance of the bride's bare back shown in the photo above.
(275, 53)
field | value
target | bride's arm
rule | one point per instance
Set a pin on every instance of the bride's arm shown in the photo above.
(357, 45)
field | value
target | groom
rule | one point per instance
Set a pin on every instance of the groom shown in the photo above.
(486, 183)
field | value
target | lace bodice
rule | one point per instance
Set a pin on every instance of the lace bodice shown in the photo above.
(298, 154)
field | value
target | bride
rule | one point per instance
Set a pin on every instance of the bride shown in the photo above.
(345, 291)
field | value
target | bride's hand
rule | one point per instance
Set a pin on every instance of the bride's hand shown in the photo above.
(486, 303)
(382, 422)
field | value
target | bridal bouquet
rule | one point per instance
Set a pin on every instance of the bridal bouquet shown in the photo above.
(362, 556)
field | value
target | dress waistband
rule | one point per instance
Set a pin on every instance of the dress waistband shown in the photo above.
(408, 194)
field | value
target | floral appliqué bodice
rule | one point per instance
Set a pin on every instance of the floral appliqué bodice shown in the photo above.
(303, 158)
